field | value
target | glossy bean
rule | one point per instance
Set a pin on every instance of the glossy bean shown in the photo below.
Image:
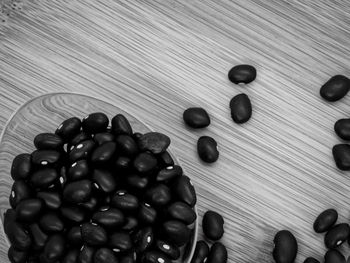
(17, 256)
(311, 260)
(196, 117)
(120, 241)
(9, 217)
(334, 256)
(28, 210)
(78, 191)
(82, 150)
(54, 247)
(122, 163)
(241, 108)
(90, 205)
(337, 235)
(143, 239)
(184, 190)
(207, 149)
(341, 155)
(104, 180)
(48, 141)
(217, 254)
(242, 74)
(147, 214)
(130, 224)
(125, 201)
(74, 236)
(80, 137)
(103, 137)
(86, 255)
(176, 232)
(182, 211)
(286, 247)
(74, 214)
(158, 195)
(21, 166)
(103, 153)
(51, 222)
(45, 158)
(93, 234)
(213, 225)
(105, 255)
(145, 163)
(201, 252)
(342, 128)
(120, 125)
(51, 199)
(19, 192)
(18, 236)
(69, 128)
(43, 178)
(154, 256)
(165, 159)
(78, 170)
(136, 182)
(95, 123)
(126, 145)
(110, 218)
(335, 88)
(154, 142)
(325, 220)
(168, 173)
(39, 238)
(173, 252)
(71, 256)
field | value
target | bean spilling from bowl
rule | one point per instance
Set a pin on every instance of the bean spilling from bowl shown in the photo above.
(113, 196)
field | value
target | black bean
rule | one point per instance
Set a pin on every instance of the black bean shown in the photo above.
(217, 254)
(69, 128)
(155, 256)
(21, 166)
(342, 128)
(51, 222)
(104, 180)
(143, 239)
(95, 123)
(242, 74)
(286, 247)
(105, 255)
(78, 191)
(325, 220)
(46, 158)
(337, 235)
(54, 248)
(17, 256)
(120, 125)
(130, 224)
(39, 238)
(125, 201)
(154, 142)
(213, 225)
(120, 241)
(126, 145)
(9, 217)
(74, 214)
(18, 236)
(19, 192)
(91, 204)
(335, 88)
(165, 159)
(147, 214)
(176, 232)
(182, 211)
(51, 199)
(341, 155)
(137, 182)
(82, 150)
(137, 135)
(74, 236)
(28, 210)
(93, 234)
(86, 255)
(196, 117)
(173, 252)
(158, 195)
(334, 256)
(71, 256)
(145, 163)
(311, 260)
(128, 258)
(207, 149)
(122, 163)
(201, 252)
(78, 170)
(44, 178)
(109, 218)
(168, 173)
(184, 190)
(103, 153)
(241, 108)
(80, 137)
(48, 141)
(103, 137)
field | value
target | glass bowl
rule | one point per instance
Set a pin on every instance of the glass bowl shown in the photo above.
(44, 114)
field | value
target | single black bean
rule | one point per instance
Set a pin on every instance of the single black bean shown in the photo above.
(165, 159)
(21, 166)
(207, 149)
(158, 195)
(154, 142)
(74, 236)
(71, 256)
(173, 252)
(69, 128)
(82, 150)
(125, 201)
(63, 176)
(342, 128)
(78, 191)
(196, 117)
(145, 163)
(78, 170)
(120, 125)
(18, 236)
(122, 163)
(17, 256)
(217, 254)
(48, 141)
(51, 222)
(325, 220)
(335, 88)
(91, 204)
(46, 158)
(86, 255)
(130, 224)
(19, 192)
(9, 217)
(176, 232)
(74, 214)
(168, 173)
(105, 255)
(93, 234)
(120, 241)
(334, 256)
(184, 190)
(337, 235)
(182, 211)
(80, 137)
(128, 258)
(51, 199)
(147, 214)
(241, 108)
(54, 248)
(104, 180)
(39, 238)
(143, 239)
(201, 252)
(155, 256)
(103, 137)
(242, 74)
(95, 123)
(43, 178)
(137, 135)
(126, 145)
(341, 155)
(28, 210)
(213, 225)
(286, 247)
(136, 182)
(311, 260)
(103, 153)
(109, 218)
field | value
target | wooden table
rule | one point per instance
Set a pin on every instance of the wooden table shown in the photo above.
(156, 58)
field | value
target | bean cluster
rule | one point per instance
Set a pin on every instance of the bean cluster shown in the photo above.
(93, 193)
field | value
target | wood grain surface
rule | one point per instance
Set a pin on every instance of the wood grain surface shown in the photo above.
(156, 58)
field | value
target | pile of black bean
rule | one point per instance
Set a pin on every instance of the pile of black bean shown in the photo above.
(94, 193)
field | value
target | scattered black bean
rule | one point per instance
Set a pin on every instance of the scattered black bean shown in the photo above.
(341, 155)
(155, 256)
(86, 255)
(335, 88)
(9, 217)
(125, 201)
(21, 166)
(74, 236)
(19, 192)
(128, 258)
(120, 241)
(127, 146)
(104, 180)
(137, 182)
(51, 199)
(51, 222)
(207, 149)
(103, 153)
(147, 214)
(334, 256)
(342, 128)
(143, 239)
(165, 159)
(39, 238)
(325, 220)
(46, 157)
(158, 195)
(154, 142)
(69, 128)
(182, 211)
(43, 178)
(54, 248)
(168, 173)
(286, 247)
(48, 141)
(93, 234)
(130, 224)
(82, 150)
(80, 137)
(241, 108)
(95, 123)
(184, 190)
(77, 192)
(71, 256)
(242, 74)
(337, 235)
(18, 236)
(109, 218)
(176, 232)
(217, 254)
(196, 118)
(173, 252)
(103, 137)
(145, 163)
(78, 170)
(311, 260)
(28, 210)
(201, 252)
(123, 163)
(213, 225)
(105, 255)
(120, 125)
(74, 214)
(17, 256)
